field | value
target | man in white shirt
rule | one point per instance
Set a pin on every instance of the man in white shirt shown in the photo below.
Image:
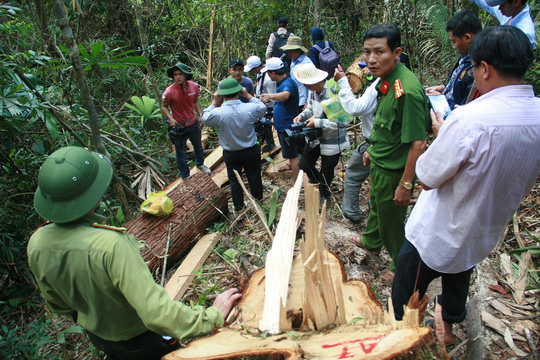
(475, 174)
(511, 12)
(264, 85)
(356, 172)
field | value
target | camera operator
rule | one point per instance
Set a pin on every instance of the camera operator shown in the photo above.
(264, 85)
(333, 137)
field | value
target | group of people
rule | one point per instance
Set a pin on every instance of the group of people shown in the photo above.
(484, 160)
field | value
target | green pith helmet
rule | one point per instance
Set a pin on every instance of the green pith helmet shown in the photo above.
(183, 68)
(71, 182)
(229, 86)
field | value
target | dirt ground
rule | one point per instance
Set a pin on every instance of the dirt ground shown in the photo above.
(492, 310)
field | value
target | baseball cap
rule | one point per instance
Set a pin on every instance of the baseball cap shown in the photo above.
(252, 62)
(274, 63)
(236, 61)
(495, 2)
(283, 21)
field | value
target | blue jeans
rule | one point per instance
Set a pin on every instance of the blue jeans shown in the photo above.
(411, 271)
(192, 132)
(355, 176)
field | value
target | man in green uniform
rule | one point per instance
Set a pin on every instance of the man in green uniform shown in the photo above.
(397, 140)
(95, 275)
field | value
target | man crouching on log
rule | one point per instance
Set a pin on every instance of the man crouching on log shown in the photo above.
(95, 275)
(484, 161)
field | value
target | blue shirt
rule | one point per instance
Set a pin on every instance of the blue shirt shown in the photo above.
(235, 121)
(248, 84)
(458, 87)
(522, 21)
(286, 111)
(302, 90)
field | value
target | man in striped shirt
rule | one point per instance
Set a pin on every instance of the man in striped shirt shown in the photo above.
(484, 161)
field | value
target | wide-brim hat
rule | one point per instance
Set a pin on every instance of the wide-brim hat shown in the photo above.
(308, 74)
(495, 2)
(229, 86)
(293, 43)
(183, 68)
(71, 182)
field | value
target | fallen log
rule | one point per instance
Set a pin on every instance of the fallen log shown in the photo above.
(198, 202)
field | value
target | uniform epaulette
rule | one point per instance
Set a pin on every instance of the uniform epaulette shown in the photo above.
(109, 227)
(398, 88)
(40, 226)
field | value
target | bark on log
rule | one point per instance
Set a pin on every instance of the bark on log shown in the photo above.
(198, 202)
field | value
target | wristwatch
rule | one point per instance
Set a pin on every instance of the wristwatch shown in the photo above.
(406, 185)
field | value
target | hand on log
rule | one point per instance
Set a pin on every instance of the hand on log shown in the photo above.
(226, 300)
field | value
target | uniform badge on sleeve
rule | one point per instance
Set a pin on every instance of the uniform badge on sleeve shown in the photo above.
(384, 87)
(398, 89)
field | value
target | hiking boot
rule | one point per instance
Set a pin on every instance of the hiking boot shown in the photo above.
(205, 169)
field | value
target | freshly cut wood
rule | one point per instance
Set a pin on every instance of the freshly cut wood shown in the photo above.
(323, 298)
(198, 202)
(273, 169)
(279, 263)
(370, 333)
(183, 276)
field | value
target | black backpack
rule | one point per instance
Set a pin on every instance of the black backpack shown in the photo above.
(281, 40)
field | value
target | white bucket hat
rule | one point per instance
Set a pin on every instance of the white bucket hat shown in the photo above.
(252, 62)
(308, 74)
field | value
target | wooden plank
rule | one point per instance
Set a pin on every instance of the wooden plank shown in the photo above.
(178, 284)
(273, 169)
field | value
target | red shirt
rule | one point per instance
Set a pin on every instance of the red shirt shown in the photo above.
(181, 102)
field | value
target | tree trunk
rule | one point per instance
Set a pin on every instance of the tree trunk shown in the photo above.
(141, 30)
(85, 90)
(198, 202)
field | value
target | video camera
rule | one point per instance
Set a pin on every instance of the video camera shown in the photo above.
(299, 133)
(176, 132)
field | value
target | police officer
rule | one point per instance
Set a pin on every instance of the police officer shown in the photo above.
(397, 140)
(95, 275)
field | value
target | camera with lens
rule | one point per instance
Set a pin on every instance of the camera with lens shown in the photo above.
(176, 132)
(263, 124)
(300, 134)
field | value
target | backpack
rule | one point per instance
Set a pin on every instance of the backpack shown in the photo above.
(281, 40)
(328, 58)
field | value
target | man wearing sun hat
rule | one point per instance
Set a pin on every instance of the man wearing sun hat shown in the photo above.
(94, 274)
(511, 12)
(297, 52)
(183, 98)
(236, 125)
(334, 137)
(264, 85)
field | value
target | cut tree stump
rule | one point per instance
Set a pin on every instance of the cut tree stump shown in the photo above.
(369, 331)
(198, 202)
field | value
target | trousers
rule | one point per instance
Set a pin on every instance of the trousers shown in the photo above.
(323, 177)
(355, 176)
(193, 133)
(411, 271)
(147, 346)
(249, 160)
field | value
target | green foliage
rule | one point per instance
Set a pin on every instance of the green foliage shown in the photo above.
(270, 209)
(99, 57)
(145, 108)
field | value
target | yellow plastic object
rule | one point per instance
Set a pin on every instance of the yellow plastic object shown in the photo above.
(332, 107)
(157, 204)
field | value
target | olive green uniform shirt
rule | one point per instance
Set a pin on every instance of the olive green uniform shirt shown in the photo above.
(98, 278)
(398, 120)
